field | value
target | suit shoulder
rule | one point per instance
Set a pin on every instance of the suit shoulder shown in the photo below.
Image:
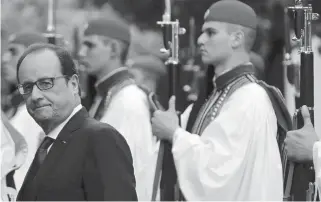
(95, 127)
(98, 131)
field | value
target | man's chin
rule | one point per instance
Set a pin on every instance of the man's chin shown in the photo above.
(206, 62)
(42, 113)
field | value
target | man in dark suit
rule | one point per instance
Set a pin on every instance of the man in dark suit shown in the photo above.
(80, 158)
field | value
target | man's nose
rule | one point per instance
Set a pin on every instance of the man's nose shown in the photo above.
(82, 52)
(200, 40)
(36, 93)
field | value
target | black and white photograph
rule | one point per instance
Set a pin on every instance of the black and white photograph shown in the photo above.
(160, 100)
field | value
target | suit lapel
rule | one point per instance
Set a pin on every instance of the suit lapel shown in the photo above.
(61, 143)
(56, 151)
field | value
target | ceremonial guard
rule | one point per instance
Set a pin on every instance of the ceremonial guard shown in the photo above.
(14, 150)
(18, 114)
(119, 101)
(230, 152)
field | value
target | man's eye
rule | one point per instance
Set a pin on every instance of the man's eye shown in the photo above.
(89, 44)
(13, 51)
(210, 32)
(45, 83)
(27, 86)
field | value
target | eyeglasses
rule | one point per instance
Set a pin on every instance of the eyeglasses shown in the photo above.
(42, 84)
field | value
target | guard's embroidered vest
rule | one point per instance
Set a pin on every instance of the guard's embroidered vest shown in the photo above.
(114, 84)
(232, 81)
(111, 86)
(225, 86)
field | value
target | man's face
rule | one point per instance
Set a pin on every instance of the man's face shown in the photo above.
(214, 43)
(94, 54)
(9, 61)
(52, 105)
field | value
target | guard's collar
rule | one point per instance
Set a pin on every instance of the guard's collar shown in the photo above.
(226, 78)
(116, 77)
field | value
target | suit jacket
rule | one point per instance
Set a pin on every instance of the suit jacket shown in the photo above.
(89, 161)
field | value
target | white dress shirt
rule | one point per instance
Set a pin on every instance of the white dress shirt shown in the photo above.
(237, 156)
(128, 112)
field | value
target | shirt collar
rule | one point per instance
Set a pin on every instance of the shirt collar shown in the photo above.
(55, 132)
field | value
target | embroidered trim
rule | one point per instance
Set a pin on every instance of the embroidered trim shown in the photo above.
(215, 103)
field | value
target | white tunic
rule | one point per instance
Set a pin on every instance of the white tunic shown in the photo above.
(128, 112)
(7, 159)
(316, 43)
(237, 156)
(13, 154)
(33, 134)
(317, 164)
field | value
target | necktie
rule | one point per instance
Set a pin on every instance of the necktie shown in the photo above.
(27, 188)
(42, 150)
(40, 156)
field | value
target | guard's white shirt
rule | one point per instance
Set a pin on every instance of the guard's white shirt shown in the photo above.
(33, 134)
(317, 164)
(237, 156)
(128, 112)
(316, 43)
(7, 154)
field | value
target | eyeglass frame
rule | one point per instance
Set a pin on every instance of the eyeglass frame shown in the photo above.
(53, 79)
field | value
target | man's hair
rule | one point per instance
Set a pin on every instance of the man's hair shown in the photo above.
(249, 35)
(68, 67)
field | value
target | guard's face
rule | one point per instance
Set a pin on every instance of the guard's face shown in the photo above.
(54, 104)
(214, 43)
(9, 60)
(94, 54)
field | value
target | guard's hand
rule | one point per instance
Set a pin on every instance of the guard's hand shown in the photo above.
(164, 123)
(299, 143)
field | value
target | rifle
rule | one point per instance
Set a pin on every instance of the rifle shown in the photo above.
(299, 178)
(165, 163)
(50, 34)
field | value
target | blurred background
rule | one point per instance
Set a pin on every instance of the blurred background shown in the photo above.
(268, 53)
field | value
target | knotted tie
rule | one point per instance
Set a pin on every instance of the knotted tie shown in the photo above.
(27, 188)
(42, 151)
(40, 156)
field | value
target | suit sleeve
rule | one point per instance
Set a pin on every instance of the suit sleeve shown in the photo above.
(109, 170)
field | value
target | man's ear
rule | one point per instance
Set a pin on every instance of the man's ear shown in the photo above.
(74, 82)
(237, 38)
(114, 49)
